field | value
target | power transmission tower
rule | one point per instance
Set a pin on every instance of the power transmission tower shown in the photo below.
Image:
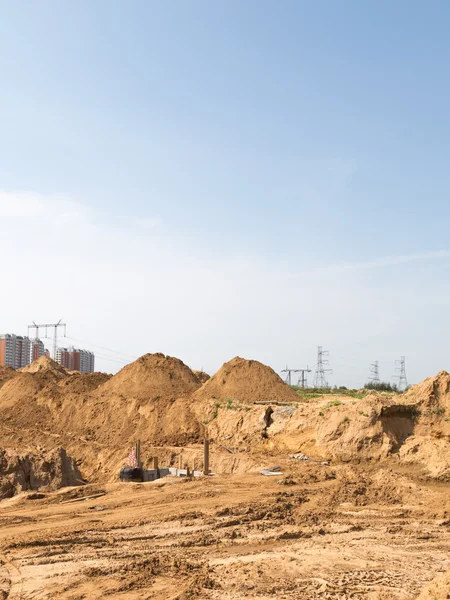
(289, 373)
(374, 372)
(303, 378)
(55, 335)
(320, 380)
(402, 381)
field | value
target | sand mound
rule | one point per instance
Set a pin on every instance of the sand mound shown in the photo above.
(438, 588)
(247, 381)
(362, 489)
(153, 377)
(98, 417)
(6, 373)
(202, 376)
(430, 443)
(44, 363)
(83, 383)
(30, 381)
(49, 470)
(434, 392)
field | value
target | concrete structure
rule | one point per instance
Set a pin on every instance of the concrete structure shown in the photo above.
(154, 474)
(15, 351)
(76, 359)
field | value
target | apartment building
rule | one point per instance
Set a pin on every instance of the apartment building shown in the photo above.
(75, 359)
(37, 349)
(15, 350)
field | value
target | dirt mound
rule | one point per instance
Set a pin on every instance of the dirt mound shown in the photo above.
(48, 470)
(438, 588)
(153, 377)
(434, 392)
(28, 382)
(97, 417)
(429, 445)
(361, 489)
(44, 363)
(202, 376)
(246, 381)
(6, 373)
(83, 383)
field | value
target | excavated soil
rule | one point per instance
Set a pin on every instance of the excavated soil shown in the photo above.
(202, 376)
(246, 381)
(366, 516)
(45, 364)
(244, 407)
(5, 374)
(314, 532)
(153, 377)
(44, 470)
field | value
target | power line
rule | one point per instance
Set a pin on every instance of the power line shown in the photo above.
(55, 334)
(374, 372)
(289, 372)
(303, 379)
(320, 380)
(402, 381)
(123, 354)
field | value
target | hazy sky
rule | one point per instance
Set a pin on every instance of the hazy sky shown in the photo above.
(219, 178)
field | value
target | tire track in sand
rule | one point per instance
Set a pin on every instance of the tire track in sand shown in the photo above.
(15, 578)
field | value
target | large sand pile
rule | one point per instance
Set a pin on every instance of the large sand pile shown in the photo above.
(29, 381)
(98, 417)
(44, 363)
(202, 376)
(246, 381)
(44, 470)
(6, 373)
(160, 401)
(338, 428)
(433, 393)
(430, 443)
(153, 377)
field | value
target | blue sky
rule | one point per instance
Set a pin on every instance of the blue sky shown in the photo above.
(218, 178)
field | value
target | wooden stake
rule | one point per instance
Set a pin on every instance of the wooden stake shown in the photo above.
(138, 453)
(206, 457)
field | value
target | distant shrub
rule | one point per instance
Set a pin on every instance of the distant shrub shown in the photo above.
(382, 386)
(333, 403)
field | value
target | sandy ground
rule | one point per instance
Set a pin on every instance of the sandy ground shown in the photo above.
(335, 532)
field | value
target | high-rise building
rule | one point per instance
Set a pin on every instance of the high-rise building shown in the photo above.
(14, 350)
(37, 349)
(75, 359)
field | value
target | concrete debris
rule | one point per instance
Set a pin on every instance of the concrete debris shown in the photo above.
(271, 471)
(299, 456)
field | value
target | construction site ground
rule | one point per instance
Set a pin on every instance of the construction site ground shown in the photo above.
(338, 531)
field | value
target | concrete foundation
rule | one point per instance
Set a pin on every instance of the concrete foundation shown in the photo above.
(154, 474)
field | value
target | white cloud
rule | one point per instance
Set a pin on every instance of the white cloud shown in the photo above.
(145, 224)
(148, 293)
(30, 205)
(376, 263)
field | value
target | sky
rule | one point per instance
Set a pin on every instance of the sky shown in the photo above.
(217, 178)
